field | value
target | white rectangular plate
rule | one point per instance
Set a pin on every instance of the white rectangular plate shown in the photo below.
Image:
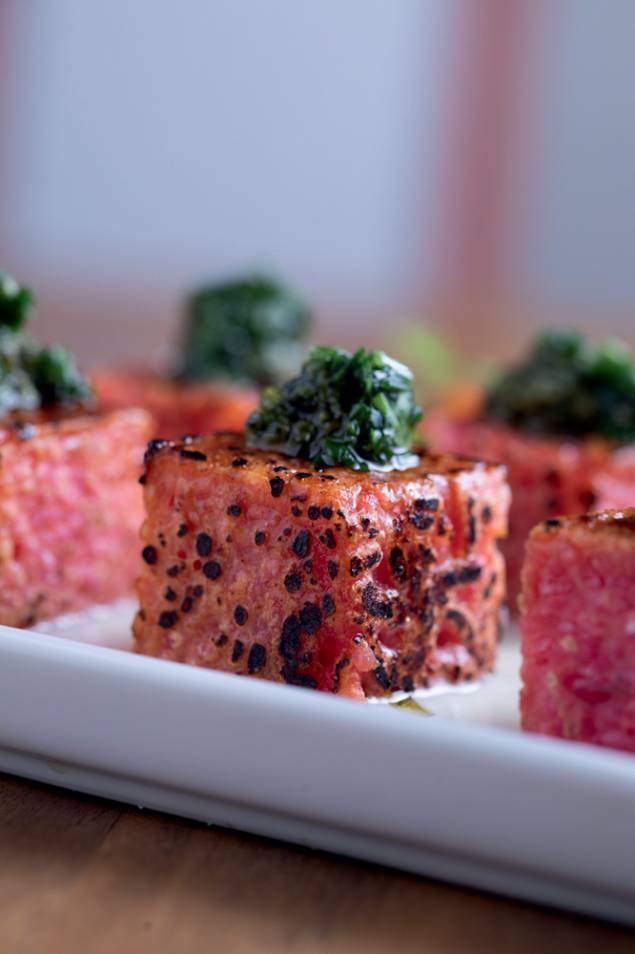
(462, 796)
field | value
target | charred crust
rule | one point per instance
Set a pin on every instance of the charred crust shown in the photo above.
(302, 544)
(150, 555)
(168, 619)
(234, 510)
(332, 568)
(212, 569)
(277, 486)
(259, 538)
(239, 461)
(328, 604)
(192, 454)
(467, 574)
(328, 539)
(237, 650)
(373, 604)
(310, 618)
(203, 544)
(257, 658)
(355, 566)
(427, 503)
(292, 582)
(240, 615)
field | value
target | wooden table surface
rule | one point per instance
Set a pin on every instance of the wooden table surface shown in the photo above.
(79, 875)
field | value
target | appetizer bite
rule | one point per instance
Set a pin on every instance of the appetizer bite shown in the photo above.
(237, 337)
(563, 422)
(70, 504)
(319, 549)
(578, 626)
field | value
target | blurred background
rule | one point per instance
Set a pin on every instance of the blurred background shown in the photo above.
(464, 162)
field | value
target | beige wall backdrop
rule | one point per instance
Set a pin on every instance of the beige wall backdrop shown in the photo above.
(149, 145)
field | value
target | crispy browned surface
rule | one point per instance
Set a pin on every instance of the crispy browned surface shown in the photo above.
(349, 582)
(70, 511)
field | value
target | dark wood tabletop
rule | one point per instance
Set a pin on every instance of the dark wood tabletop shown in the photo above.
(80, 875)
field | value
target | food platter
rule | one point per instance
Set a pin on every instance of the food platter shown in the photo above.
(461, 795)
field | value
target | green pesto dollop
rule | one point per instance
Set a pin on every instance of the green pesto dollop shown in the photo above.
(354, 410)
(569, 387)
(32, 375)
(251, 329)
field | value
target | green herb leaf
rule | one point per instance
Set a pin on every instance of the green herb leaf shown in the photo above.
(354, 410)
(252, 329)
(566, 386)
(15, 302)
(32, 376)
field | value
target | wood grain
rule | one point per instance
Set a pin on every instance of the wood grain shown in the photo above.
(83, 876)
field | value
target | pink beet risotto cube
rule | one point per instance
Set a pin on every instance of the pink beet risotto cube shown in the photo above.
(578, 629)
(70, 510)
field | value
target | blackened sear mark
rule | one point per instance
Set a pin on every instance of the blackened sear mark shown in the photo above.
(237, 650)
(339, 665)
(398, 564)
(456, 617)
(427, 503)
(212, 569)
(332, 568)
(234, 510)
(355, 566)
(203, 544)
(302, 544)
(313, 512)
(292, 582)
(296, 511)
(310, 618)
(327, 512)
(328, 605)
(422, 521)
(257, 658)
(192, 454)
(259, 538)
(277, 486)
(150, 554)
(328, 539)
(167, 619)
(240, 615)
(373, 604)
(467, 574)
(169, 595)
(381, 676)
(289, 644)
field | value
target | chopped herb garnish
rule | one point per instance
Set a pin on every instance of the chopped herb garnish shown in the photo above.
(251, 329)
(32, 375)
(354, 410)
(567, 386)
